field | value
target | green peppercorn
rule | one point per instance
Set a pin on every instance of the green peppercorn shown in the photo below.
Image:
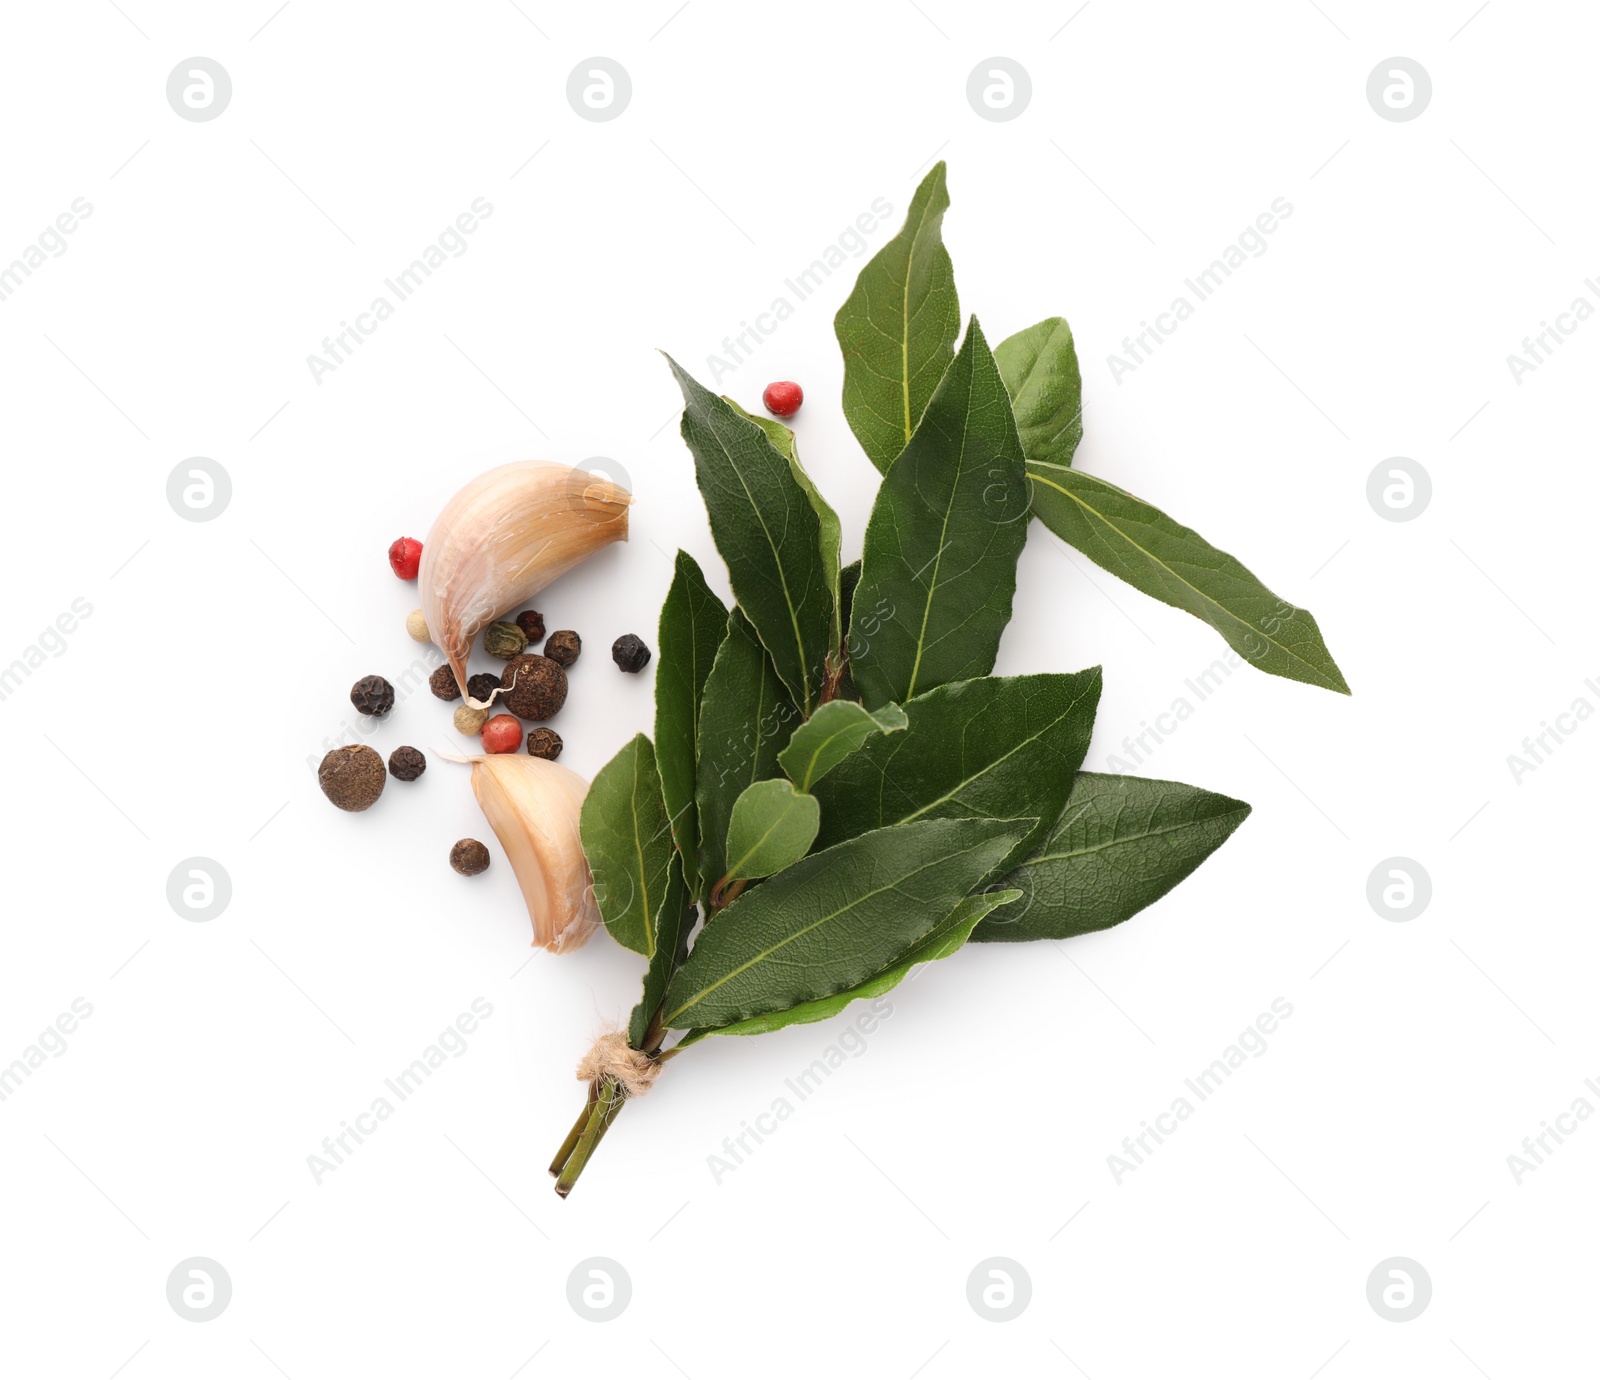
(504, 640)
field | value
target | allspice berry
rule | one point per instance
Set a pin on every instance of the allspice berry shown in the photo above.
(563, 647)
(630, 653)
(531, 621)
(545, 743)
(407, 764)
(372, 695)
(351, 777)
(534, 687)
(417, 626)
(469, 857)
(504, 640)
(470, 721)
(482, 685)
(443, 683)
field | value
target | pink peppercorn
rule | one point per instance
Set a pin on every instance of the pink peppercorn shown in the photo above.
(783, 399)
(405, 555)
(502, 734)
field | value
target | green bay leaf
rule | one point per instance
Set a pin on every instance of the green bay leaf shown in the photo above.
(835, 919)
(830, 531)
(993, 747)
(948, 936)
(627, 839)
(746, 718)
(1120, 843)
(675, 918)
(693, 624)
(897, 329)
(772, 826)
(830, 735)
(768, 533)
(849, 579)
(939, 565)
(1140, 544)
(1040, 367)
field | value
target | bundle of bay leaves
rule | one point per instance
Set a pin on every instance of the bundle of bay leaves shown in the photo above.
(838, 787)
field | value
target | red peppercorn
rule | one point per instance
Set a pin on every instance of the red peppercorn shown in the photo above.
(405, 555)
(502, 734)
(783, 399)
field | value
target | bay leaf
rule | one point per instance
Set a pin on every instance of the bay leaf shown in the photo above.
(746, 717)
(974, 749)
(897, 329)
(939, 564)
(693, 624)
(1040, 367)
(768, 533)
(849, 578)
(835, 919)
(627, 839)
(830, 531)
(830, 735)
(675, 918)
(1139, 543)
(948, 936)
(1120, 843)
(772, 826)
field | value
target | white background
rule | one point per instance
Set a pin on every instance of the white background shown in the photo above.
(182, 714)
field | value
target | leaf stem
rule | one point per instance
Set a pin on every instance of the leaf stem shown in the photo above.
(832, 674)
(596, 1121)
(570, 1143)
(651, 1044)
(726, 892)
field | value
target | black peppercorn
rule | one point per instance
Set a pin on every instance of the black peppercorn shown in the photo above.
(563, 647)
(469, 857)
(351, 777)
(535, 687)
(531, 621)
(407, 764)
(545, 743)
(480, 687)
(630, 653)
(372, 695)
(443, 683)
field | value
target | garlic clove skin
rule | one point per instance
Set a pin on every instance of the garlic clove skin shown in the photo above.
(533, 807)
(503, 538)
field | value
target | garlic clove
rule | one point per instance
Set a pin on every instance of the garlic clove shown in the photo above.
(503, 538)
(533, 806)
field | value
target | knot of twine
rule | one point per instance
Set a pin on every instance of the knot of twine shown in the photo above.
(611, 1056)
